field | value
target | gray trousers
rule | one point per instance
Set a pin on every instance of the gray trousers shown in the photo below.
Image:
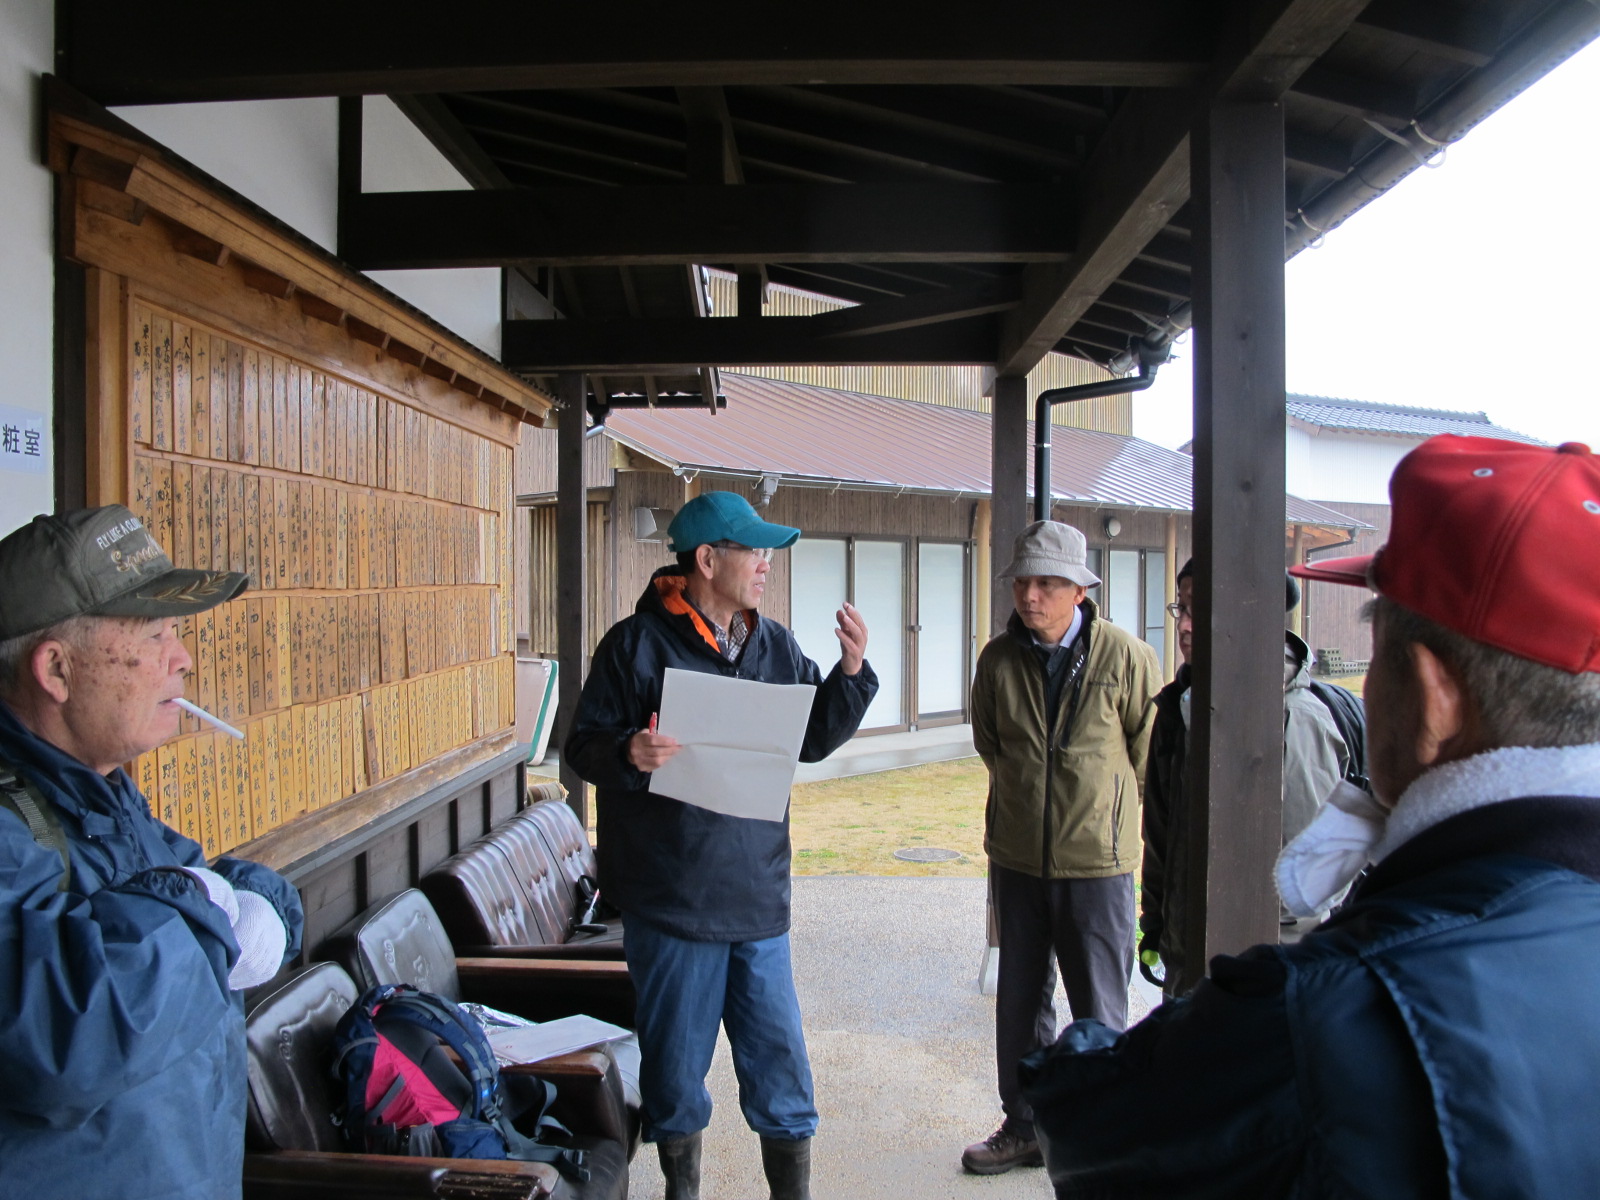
(1087, 925)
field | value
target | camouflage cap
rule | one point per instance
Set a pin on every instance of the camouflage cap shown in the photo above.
(97, 562)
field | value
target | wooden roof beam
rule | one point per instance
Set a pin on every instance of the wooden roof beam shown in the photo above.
(1358, 96)
(920, 308)
(1143, 161)
(1435, 27)
(115, 53)
(701, 224)
(686, 344)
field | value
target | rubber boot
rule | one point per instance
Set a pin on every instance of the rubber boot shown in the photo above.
(680, 1164)
(787, 1162)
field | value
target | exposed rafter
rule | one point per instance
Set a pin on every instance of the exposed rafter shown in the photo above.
(119, 55)
(537, 347)
(704, 224)
(1141, 166)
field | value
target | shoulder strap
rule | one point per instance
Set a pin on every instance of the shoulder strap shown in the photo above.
(40, 816)
(1350, 718)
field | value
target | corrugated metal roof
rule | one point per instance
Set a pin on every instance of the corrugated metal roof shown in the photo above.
(1397, 420)
(819, 435)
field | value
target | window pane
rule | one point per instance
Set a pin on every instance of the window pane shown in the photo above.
(1121, 595)
(941, 646)
(880, 595)
(817, 589)
(1155, 579)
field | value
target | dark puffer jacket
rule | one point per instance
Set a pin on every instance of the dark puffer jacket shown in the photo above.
(121, 1046)
(1164, 881)
(695, 873)
(1434, 1038)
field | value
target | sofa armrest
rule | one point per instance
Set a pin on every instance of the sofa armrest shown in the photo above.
(602, 950)
(589, 1094)
(317, 1175)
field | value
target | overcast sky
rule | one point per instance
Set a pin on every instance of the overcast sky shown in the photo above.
(1470, 286)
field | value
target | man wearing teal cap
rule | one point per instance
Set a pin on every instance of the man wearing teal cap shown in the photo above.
(705, 896)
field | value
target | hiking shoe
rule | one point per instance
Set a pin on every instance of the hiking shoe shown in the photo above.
(1001, 1151)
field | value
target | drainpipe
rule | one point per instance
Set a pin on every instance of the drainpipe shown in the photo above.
(1151, 354)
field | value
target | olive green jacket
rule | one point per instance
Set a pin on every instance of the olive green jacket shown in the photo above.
(1073, 812)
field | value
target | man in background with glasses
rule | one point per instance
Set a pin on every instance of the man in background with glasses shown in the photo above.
(1315, 757)
(705, 896)
(1061, 712)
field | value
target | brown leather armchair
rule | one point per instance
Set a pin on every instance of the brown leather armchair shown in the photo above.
(295, 1152)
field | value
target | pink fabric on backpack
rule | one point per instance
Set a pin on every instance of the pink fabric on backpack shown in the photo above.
(419, 1102)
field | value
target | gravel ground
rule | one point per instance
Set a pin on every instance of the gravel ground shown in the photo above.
(901, 1046)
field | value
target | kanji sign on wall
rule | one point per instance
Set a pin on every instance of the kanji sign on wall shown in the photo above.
(22, 434)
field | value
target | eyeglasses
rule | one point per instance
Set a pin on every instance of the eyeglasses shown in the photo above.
(1177, 612)
(764, 553)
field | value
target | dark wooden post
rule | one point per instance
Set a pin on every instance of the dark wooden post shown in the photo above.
(572, 618)
(1236, 753)
(1008, 473)
(349, 177)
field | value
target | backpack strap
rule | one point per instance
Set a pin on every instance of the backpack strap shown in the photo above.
(40, 816)
(466, 1037)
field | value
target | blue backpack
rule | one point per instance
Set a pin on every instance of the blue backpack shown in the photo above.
(404, 1094)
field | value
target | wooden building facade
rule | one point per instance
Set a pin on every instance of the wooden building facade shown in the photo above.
(264, 410)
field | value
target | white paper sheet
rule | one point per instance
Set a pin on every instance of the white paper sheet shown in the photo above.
(741, 741)
(535, 1043)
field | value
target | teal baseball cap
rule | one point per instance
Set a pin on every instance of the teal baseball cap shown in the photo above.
(725, 517)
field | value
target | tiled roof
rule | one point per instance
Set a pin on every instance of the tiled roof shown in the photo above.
(1396, 420)
(819, 435)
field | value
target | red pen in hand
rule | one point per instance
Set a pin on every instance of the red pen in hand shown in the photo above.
(653, 722)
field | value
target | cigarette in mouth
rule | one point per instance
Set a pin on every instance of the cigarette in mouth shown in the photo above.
(205, 716)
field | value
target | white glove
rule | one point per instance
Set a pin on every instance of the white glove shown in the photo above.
(219, 890)
(1318, 865)
(262, 939)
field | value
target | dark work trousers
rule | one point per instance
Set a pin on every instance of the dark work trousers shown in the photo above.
(1088, 924)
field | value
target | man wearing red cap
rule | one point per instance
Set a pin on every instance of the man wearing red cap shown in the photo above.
(1435, 1035)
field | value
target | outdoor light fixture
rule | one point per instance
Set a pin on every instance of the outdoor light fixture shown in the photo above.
(1113, 527)
(766, 488)
(650, 524)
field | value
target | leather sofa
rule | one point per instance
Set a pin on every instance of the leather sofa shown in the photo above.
(515, 890)
(403, 940)
(294, 1150)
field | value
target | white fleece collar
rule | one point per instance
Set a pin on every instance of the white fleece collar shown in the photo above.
(1489, 778)
(1352, 829)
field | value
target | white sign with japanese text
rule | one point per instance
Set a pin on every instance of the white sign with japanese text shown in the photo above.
(22, 434)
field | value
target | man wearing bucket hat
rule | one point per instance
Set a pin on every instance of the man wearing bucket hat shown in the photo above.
(705, 896)
(121, 1013)
(1436, 1035)
(1062, 705)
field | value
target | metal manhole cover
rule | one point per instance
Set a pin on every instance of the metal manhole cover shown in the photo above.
(927, 854)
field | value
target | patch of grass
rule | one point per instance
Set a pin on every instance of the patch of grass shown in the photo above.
(936, 804)
(1354, 683)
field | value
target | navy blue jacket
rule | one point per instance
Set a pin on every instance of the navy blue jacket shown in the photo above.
(121, 1047)
(697, 874)
(1436, 1037)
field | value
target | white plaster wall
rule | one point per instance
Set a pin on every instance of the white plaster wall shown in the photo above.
(1297, 462)
(1345, 466)
(284, 156)
(27, 268)
(395, 157)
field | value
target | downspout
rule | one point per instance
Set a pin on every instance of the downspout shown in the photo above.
(1151, 355)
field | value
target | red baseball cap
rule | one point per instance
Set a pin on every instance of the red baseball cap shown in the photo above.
(1497, 540)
